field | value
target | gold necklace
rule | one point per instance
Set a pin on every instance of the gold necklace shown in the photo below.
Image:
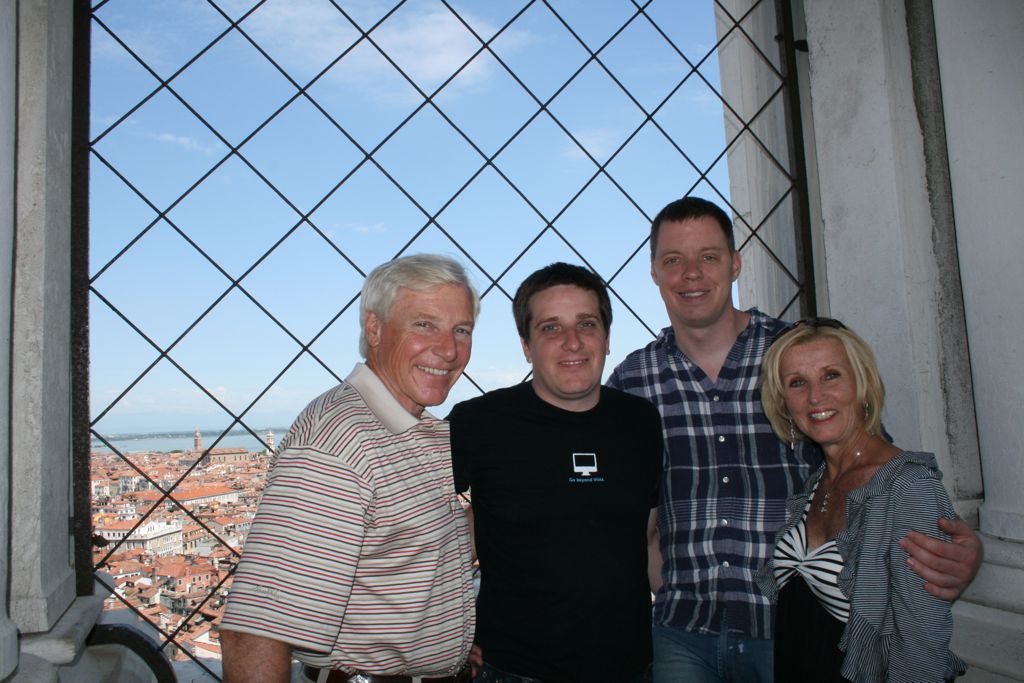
(823, 506)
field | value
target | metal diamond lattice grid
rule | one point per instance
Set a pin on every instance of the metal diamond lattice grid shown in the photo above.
(250, 162)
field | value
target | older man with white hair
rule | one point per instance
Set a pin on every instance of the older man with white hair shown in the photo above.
(358, 562)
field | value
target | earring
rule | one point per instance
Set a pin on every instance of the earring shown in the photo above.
(866, 411)
(792, 435)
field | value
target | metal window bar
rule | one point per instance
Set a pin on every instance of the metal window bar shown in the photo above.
(593, 56)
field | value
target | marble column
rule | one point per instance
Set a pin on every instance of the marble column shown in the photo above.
(756, 184)
(42, 578)
(983, 96)
(8, 108)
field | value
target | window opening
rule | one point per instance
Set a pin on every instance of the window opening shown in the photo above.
(250, 162)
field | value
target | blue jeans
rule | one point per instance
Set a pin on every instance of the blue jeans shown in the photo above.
(725, 658)
(490, 674)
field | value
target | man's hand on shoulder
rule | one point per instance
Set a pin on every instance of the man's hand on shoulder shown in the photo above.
(948, 568)
(255, 659)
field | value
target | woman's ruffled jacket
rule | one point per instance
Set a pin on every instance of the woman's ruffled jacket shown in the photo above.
(896, 631)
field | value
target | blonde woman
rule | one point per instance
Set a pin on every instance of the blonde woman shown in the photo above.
(848, 606)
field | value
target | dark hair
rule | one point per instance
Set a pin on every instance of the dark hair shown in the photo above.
(688, 208)
(552, 276)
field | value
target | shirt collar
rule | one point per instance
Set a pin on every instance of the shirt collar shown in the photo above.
(667, 337)
(381, 402)
(757, 319)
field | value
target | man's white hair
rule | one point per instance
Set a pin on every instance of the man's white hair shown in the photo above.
(417, 272)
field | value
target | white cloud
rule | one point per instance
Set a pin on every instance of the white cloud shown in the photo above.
(184, 141)
(705, 100)
(366, 228)
(600, 142)
(311, 31)
(430, 45)
(428, 42)
(160, 43)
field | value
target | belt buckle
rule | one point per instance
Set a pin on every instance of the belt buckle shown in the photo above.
(358, 678)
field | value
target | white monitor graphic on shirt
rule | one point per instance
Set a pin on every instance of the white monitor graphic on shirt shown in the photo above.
(584, 463)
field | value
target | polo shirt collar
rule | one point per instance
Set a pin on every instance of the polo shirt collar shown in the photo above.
(381, 402)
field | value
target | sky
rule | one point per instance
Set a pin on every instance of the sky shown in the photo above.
(235, 236)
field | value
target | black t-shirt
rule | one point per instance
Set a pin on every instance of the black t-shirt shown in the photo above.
(560, 502)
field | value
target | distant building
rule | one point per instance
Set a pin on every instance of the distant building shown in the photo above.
(227, 456)
(101, 487)
(191, 536)
(181, 576)
(205, 496)
(129, 482)
(159, 538)
(194, 497)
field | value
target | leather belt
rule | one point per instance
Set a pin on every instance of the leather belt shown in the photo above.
(339, 676)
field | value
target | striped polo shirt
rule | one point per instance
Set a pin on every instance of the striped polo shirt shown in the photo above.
(359, 554)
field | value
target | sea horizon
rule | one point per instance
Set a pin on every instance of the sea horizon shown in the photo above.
(171, 441)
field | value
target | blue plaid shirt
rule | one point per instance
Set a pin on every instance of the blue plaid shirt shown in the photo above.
(725, 482)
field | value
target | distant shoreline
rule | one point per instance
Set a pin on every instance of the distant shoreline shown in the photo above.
(171, 442)
(213, 433)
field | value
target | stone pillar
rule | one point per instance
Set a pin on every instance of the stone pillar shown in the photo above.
(756, 184)
(42, 581)
(899, 242)
(886, 270)
(8, 107)
(983, 95)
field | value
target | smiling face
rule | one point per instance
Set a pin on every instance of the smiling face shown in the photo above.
(423, 346)
(820, 392)
(567, 346)
(694, 271)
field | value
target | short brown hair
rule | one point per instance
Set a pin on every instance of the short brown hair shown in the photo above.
(689, 208)
(552, 276)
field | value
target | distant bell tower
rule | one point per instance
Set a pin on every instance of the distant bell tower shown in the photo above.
(270, 441)
(197, 442)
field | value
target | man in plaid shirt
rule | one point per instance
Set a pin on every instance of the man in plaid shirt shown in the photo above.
(727, 476)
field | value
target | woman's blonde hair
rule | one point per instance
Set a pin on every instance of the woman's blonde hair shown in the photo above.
(868, 382)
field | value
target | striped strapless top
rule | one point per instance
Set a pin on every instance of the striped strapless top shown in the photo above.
(819, 568)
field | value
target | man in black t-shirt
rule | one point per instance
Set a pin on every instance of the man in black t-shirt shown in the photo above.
(564, 480)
